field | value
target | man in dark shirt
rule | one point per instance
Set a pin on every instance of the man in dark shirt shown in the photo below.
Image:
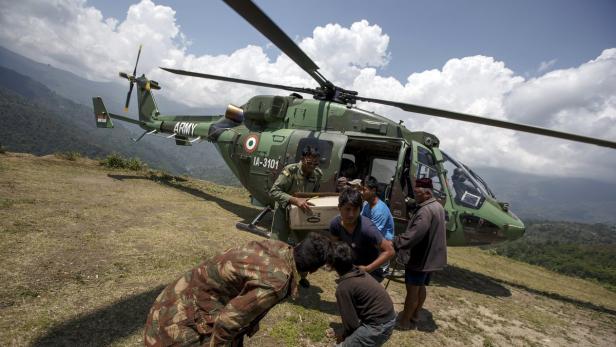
(366, 309)
(370, 249)
(424, 244)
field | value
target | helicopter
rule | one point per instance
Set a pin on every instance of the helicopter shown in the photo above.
(259, 138)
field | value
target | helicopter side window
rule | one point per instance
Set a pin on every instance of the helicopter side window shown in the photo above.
(383, 170)
(348, 168)
(426, 168)
(325, 149)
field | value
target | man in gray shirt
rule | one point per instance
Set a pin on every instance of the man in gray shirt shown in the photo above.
(424, 244)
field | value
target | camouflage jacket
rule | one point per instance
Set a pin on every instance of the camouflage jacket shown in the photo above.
(224, 297)
(292, 180)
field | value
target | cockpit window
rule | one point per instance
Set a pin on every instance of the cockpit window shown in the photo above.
(426, 168)
(481, 182)
(466, 190)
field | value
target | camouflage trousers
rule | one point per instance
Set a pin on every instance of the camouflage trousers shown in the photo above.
(171, 321)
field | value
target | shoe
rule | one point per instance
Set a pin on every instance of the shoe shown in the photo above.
(304, 283)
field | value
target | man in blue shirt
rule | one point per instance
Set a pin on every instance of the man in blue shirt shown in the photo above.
(375, 209)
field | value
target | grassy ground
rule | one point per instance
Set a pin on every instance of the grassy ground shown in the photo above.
(85, 251)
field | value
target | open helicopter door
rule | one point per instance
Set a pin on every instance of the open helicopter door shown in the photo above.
(427, 162)
(401, 188)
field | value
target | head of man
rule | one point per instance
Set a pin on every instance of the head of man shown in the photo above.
(312, 253)
(310, 159)
(342, 258)
(423, 189)
(348, 169)
(369, 188)
(349, 205)
(458, 175)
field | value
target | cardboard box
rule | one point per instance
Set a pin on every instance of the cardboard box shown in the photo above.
(324, 210)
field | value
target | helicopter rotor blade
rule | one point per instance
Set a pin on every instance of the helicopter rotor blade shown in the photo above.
(242, 81)
(137, 62)
(131, 82)
(260, 21)
(130, 90)
(490, 121)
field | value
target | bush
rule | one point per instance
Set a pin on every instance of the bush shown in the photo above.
(70, 155)
(116, 161)
(2, 150)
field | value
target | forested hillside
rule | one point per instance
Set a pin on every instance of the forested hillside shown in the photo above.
(581, 250)
(36, 120)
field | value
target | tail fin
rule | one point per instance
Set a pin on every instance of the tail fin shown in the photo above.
(148, 111)
(100, 113)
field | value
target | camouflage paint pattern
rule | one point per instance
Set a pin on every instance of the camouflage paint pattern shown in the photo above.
(223, 298)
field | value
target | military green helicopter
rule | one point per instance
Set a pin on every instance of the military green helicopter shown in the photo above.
(268, 132)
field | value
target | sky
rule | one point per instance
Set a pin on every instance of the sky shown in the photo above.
(544, 63)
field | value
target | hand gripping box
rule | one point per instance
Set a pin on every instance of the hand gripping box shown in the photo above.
(324, 210)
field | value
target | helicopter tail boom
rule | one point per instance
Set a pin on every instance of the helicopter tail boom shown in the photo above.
(103, 117)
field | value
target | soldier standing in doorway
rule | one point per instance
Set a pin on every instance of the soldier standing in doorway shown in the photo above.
(304, 176)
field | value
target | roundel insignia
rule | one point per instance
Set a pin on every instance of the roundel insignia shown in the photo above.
(250, 144)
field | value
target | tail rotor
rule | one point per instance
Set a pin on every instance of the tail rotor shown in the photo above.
(131, 80)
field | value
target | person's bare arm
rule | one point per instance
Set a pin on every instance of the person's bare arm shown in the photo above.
(387, 252)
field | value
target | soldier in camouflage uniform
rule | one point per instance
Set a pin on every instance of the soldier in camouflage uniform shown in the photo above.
(304, 176)
(225, 297)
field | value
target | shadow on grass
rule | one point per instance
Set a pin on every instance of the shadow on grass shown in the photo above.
(426, 322)
(103, 326)
(556, 296)
(310, 298)
(244, 212)
(456, 277)
(453, 276)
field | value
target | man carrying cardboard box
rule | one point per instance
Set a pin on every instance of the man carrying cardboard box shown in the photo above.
(304, 176)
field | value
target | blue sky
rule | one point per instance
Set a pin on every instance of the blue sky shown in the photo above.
(544, 63)
(424, 34)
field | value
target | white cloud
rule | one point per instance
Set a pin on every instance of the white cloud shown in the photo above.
(74, 36)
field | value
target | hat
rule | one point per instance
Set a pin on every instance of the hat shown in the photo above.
(423, 183)
(355, 183)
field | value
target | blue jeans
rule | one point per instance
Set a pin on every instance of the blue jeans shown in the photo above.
(370, 335)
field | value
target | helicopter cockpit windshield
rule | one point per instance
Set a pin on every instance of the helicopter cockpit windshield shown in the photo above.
(469, 189)
(480, 181)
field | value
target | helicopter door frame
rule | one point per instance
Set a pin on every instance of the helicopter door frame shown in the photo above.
(398, 193)
(450, 207)
(442, 192)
